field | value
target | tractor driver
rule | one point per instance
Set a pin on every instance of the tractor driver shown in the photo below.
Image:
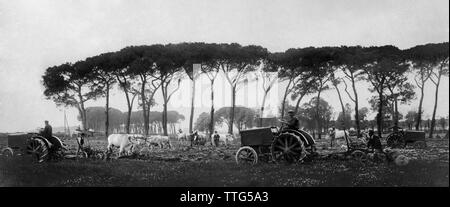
(292, 122)
(47, 132)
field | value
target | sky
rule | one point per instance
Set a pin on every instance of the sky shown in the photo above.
(37, 34)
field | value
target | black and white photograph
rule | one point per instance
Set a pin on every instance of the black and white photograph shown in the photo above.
(217, 94)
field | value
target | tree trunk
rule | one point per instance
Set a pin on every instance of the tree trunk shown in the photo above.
(164, 114)
(148, 115)
(83, 116)
(262, 108)
(233, 102)
(318, 126)
(149, 107)
(395, 114)
(128, 120)
(164, 124)
(357, 122)
(283, 103)
(297, 105)
(419, 113)
(80, 111)
(380, 114)
(433, 119)
(211, 124)
(191, 118)
(343, 114)
(107, 111)
(125, 90)
(144, 106)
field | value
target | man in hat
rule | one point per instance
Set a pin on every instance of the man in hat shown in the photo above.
(292, 122)
(47, 132)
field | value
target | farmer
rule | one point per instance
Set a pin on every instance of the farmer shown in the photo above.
(47, 132)
(216, 137)
(374, 142)
(193, 137)
(332, 136)
(292, 122)
(80, 139)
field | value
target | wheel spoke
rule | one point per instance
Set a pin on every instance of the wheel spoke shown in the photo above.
(279, 147)
(292, 146)
(290, 140)
(244, 155)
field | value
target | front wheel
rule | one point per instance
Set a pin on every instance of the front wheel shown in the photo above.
(7, 152)
(246, 155)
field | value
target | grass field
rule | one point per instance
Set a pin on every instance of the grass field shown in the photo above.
(209, 166)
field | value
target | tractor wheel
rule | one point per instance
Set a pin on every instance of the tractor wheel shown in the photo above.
(7, 152)
(288, 148)
(396, 140)
(246, 155)
(38, 149)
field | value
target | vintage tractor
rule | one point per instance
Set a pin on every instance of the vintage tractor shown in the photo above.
(274, 144)
(400, 138)
(40, 148)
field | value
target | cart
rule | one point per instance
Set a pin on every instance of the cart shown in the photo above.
(273, 144)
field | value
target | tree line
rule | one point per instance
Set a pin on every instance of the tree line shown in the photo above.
(95, 119)
(141, 71)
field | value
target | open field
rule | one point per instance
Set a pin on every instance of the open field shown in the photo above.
(209, 166)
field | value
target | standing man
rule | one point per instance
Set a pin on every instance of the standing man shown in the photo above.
(332, 136)
(216, 139)
(47, 132)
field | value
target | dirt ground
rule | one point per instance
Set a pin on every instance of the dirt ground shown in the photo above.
(211, 166)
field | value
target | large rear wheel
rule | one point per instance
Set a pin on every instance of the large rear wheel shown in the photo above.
(396, 140)
(287, 148)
